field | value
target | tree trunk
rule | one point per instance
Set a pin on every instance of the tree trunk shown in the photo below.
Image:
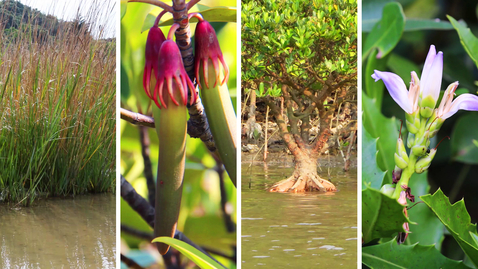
(305, 176)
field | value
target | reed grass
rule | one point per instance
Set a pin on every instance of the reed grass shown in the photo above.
(57, 110)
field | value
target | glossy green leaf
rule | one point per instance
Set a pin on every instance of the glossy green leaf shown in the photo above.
(371, 174)
(392, 255)
(374, 89)
(457, 220)
(211, 14)
(199, 258)
(428, 229)
(124, 5)
(413, 25)
(382, 216)
(386, 130)
(467, 39)
(387, 32)
(463, 149)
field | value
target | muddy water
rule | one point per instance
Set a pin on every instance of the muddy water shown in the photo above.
(60, 233)
(298, 230)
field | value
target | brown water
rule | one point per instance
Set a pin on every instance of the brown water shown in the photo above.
(60, 233)
(298, 230)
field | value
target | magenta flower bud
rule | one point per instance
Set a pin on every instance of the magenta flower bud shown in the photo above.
(172, 77)
(153, 44)
(207, 47)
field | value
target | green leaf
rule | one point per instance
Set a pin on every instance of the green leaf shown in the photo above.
(383, 128)
(463, 149)
(387, 32)
(375, 89)
(124, 5)
(199, 258)
(475, 142)
(413, 25)
(429, 230)
(371, 174)
(392, 255)
(211, 14)
(382, 216)
(457, 220)
(467, 39)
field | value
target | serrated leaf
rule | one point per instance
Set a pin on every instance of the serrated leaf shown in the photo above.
(382, 216)
(392, 255)
(428, 229)
(387, 32)
(467, 39)
(371, 174)
(413, 25)
(211, 14)
(457, 221)
(383, 128)
(199, 258)
(463, 149)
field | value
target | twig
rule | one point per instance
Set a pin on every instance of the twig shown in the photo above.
(146, 211)
(198, 126)
(137, 202)
(136, 118)
(130, 263)
(230, 226)
(148, 168)
(220, 253)
(137, 233)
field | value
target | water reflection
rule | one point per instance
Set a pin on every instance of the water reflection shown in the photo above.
(60, 233)
(301, 230)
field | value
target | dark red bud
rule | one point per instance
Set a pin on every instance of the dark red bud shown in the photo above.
(153, 44)
(171, 70)
(207, 47)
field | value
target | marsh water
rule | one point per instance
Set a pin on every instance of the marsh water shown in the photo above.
(298, 230)
(59, 233)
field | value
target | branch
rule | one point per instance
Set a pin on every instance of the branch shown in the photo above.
(155, 3)
(148, 168)
(146, 211)
(191, 3)
(137, 202)
(198, 126)
(230, 226)
(137, 118)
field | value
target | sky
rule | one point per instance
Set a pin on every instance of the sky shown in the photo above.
(68, 9)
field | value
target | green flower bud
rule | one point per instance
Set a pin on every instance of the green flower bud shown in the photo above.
(434, 125)
(410, 140)
(401, 156)
(427, 106)
(419, 150)
(388, 189)
(425, 162)
(413, 122)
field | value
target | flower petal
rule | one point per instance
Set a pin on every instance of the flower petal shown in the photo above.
(428, 62)
(396, 87)
(465, 101)
(430, 84)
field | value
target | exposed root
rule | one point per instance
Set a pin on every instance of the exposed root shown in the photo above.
(303, 183)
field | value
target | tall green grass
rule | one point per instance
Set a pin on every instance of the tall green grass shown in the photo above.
(57, 110)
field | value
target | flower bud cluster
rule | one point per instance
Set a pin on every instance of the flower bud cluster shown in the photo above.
(164, 72)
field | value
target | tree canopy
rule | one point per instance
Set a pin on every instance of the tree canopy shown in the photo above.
(303, 44)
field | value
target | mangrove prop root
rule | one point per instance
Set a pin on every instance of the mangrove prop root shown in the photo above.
(303, 184)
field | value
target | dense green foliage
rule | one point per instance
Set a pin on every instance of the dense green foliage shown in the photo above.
(299, 43)
(57, 110)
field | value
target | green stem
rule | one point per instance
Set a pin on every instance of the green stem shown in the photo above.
(222, 119)
(171, 128)
(406, 175)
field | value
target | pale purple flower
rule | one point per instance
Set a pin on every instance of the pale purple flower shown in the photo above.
(429, 84)
(448, 106)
